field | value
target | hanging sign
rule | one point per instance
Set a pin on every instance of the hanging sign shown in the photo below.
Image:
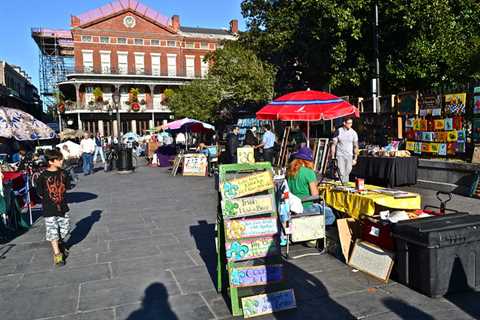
(250, 228)
(247, 185)
(245, 155)
(244, 207)
(256, 275)
(268, 303)
(195, 165)
(245, 249)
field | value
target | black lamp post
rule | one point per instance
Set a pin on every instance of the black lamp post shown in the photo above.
(116, 102)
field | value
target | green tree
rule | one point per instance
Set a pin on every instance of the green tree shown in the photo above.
(237, 77)
(327, 44)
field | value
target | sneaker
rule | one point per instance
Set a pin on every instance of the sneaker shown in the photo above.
(64, 250)
(58, 259)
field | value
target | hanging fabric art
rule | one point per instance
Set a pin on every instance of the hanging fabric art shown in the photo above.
(430, 124)
(418, 147)
(452, 136)
(416, 124)
(426, 147)
(457, 122)
(451, 148)
(434, 147)
(455, 103)
(461, 135)
(442, 136)
(427, 136)
(410, 135)
(460, 147)
(423, 125)
(409, 123)
(442, 149)
(437, 112)
(439, 124)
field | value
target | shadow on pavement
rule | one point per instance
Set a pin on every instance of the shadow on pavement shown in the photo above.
(405, 311)
(155, 305)
(83, 227)
(468, 302)
(204, 235)
(77, 197)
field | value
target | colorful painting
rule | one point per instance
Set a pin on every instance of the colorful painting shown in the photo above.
(439, 124)
(451, 148)
(410, 134)
(250, 249)
(476, 129)
(476, 104)
(452, 136)
(410, 146)
(423, 113)
(460, 147)
(423, 125)
(250, 228)
(255, 276)
(434, 148)
(426, 147)
(457, 122)
(448, 124)
(455, 103)
(461, 135)
(442, 136)
(418, 147)
(418, 135)
(245, 155)
(442, 149)
(416, 124)
(268, 303)
(427, 136)
(247, 185)
(409, 122)
(430, 102)
(437, 112)
(244, 207)
(195, 165)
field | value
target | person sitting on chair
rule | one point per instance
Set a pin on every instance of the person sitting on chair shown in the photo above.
(302, 182)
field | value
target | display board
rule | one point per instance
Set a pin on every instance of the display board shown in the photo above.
(245, 155)
(248, 251)
(195, 164)
(371, 259)
(321, 154)
(268, 303)
(251, 206)
(247, 185)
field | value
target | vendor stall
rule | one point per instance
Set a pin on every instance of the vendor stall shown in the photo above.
(386, 171)
(368, 202)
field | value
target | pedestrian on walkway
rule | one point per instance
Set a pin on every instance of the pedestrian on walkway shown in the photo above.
(52, 185)
(232, 144)
(268, 144)
(345, 149)
(87, 146)
(99, 148)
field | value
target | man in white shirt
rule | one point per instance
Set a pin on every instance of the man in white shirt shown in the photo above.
(345, 149)
(87, 147)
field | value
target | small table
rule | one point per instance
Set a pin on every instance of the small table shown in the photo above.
(356, 204)
(386, 171)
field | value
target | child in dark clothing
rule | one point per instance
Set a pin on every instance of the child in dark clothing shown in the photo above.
(52, 185)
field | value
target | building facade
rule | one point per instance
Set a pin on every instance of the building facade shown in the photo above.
(130, 48)
(17, 90)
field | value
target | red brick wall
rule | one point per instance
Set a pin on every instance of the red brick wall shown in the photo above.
(144, 29)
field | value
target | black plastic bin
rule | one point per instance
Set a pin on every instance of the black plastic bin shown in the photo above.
(439, 255)
(125, 160)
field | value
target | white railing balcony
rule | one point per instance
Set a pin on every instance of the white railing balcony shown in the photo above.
(88, 69)
(106, 69)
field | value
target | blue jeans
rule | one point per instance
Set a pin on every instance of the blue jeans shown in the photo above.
(318, 208)
(87, 163)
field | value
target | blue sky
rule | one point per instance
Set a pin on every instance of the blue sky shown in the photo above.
(17, 17)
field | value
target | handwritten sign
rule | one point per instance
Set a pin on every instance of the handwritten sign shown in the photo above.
(256, 275)
(268, 303)
(195, 165)
(245, 155)
(251, 228)
(250, 249)
(244, 207)
(247, 185)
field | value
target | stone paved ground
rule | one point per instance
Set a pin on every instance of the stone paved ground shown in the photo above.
(144, 249)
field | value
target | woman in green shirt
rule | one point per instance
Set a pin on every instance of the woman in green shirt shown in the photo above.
(302, 182)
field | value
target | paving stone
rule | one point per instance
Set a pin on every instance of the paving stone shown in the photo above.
(39, 303)
(217, 303)
(65, 276)
(149, 264)
(193, 279)
(123, 290)
(10, 282)
(7, 268)
(105, 314)
(185, 307)
(133, 252)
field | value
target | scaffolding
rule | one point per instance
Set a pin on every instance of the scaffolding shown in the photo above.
(56, 60)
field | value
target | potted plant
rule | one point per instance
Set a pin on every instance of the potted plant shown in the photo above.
(143, 102)
(91, 105)
(98, 94)
(135, 107)
(133, 95)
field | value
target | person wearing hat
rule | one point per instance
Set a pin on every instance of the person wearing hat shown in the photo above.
(302, 182)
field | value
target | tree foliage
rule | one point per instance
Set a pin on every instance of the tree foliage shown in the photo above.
(328, 44)
(236, 77)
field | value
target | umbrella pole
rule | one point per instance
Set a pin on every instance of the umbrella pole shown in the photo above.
(308, 134)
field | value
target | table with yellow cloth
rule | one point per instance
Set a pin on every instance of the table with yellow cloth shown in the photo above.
(356, 204)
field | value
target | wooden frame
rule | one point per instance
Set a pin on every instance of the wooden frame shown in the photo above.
(322, 149)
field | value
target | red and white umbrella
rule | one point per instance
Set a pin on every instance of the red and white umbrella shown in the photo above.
(307, 105)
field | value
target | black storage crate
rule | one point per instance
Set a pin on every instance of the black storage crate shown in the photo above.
(440, 254)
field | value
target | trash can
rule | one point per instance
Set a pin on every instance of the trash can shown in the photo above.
(438, 255)
(125, 160)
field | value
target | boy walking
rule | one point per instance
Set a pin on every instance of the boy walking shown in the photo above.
(52, 185)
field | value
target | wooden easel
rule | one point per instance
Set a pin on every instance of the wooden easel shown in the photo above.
(283, 155)
(177, 163)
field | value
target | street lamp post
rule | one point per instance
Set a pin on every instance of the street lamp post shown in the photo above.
(116, 101)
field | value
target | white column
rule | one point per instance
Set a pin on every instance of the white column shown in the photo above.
(100, 127)
(80, 126)
(115, 132)
(134, 126)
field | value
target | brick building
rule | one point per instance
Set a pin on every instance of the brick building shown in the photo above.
(125, 45)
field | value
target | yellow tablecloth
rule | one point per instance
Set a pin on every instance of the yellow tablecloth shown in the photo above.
(355, 204)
